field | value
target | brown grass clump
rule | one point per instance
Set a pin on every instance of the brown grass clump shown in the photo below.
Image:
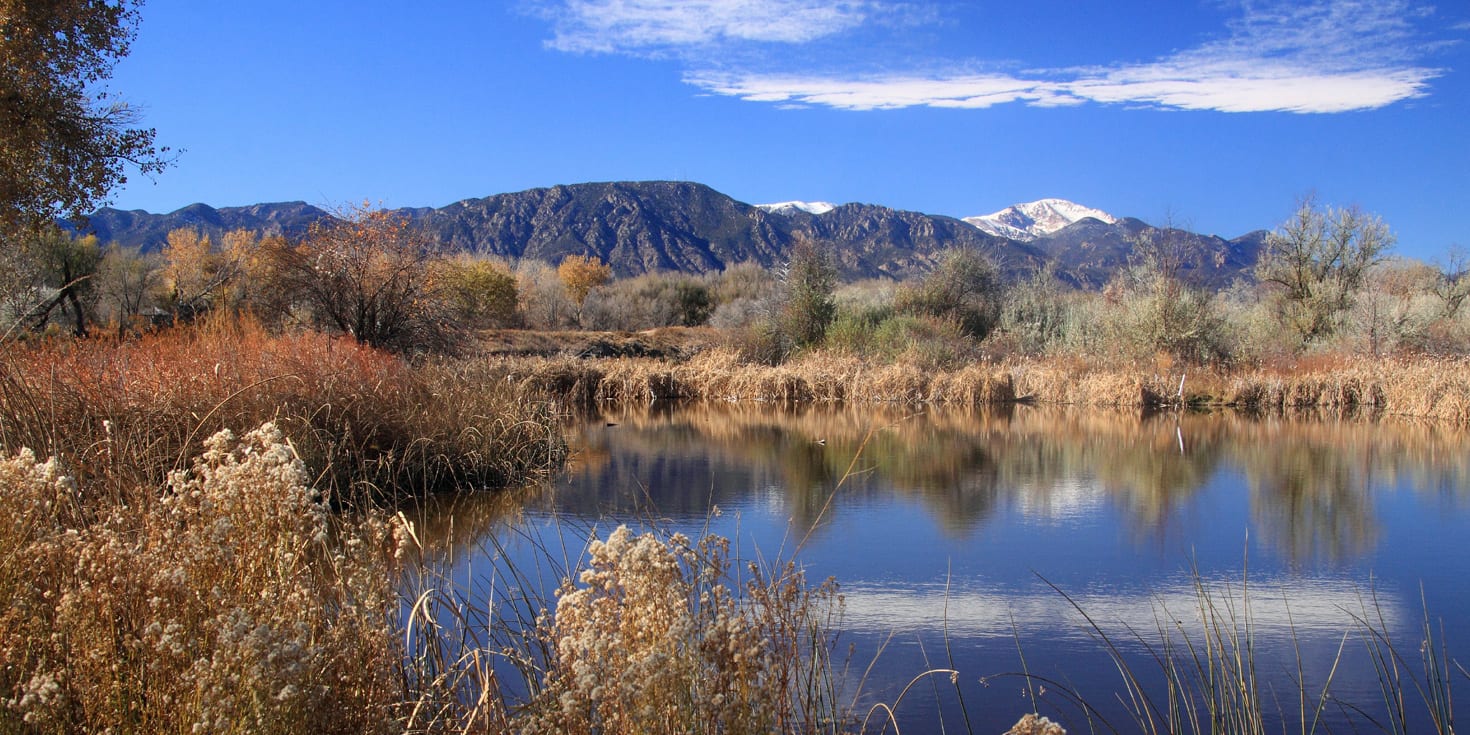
(639, 380)
(565, 379)
(1080, 384)
(234, 604)
(1424, 387)
(121, 414)
(1035, 725)
(893, 384)
(714, 374)
(973, 385)
(722, 375)
(653, 639)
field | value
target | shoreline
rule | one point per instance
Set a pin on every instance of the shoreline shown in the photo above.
(1414, 387)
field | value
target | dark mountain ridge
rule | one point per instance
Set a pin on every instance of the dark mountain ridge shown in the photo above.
(649, 226)
(1090, 251)
(137, 227)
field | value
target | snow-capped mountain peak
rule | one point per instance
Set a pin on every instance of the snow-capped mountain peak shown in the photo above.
(809, 207)
(1025, 222)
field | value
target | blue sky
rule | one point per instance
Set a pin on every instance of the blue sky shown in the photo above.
(1218, 114)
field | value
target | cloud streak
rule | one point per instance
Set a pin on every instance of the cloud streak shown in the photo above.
(654, 26)
(1262, 88)
(1324, 56)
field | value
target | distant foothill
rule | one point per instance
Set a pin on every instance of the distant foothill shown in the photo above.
(641, 227)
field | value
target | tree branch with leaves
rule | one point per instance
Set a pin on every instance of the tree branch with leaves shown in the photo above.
(67, 141)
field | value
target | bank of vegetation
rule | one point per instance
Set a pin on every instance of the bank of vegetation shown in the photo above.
(1327, 319)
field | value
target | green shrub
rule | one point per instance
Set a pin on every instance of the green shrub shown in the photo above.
(965, 289)
(853, 329)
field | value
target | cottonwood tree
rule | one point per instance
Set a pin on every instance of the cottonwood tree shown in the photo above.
(543, 301)
(580, 274)
(190, 272)
(200, 274)
(742, 295)
(1388, 313)
(1035, 312)
(66, 141)
(244, 265)
(479, 292)
(370, 274)
(1451, 284)
(61, 269)
(649, 301)
(1156, 306)
(1317, 260)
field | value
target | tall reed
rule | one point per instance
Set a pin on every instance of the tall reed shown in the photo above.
(1424, 386)
(1201, 672)
(121, 414)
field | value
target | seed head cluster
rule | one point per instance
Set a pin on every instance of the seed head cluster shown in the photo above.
(652, 639)
(231, 602)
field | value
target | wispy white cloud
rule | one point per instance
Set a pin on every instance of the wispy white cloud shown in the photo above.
(1324, 56)
(1319, 56)
(644, 26)
(1254, 87)
(1260, 88)
(970, 91)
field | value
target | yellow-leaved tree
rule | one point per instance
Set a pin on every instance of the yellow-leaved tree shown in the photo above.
(480, 292)
(580, 274)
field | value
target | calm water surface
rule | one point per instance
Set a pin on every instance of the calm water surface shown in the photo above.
(951, 527)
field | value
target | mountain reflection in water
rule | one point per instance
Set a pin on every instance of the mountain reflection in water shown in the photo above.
(950, 526)
(1308, 481)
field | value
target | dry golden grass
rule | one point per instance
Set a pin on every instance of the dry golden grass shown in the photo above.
(721, 375)
(161, 575)
(1425, 387)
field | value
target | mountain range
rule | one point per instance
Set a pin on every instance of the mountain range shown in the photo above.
(648, 226)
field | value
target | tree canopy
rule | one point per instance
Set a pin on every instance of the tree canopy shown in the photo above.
(371, 274)
(1319, 259)
(580, 274)
(65, 142)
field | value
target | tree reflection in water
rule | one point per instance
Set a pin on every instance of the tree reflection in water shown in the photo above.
(1114, 506)
(1309, 482)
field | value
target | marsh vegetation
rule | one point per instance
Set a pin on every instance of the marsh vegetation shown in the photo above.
(228, 467)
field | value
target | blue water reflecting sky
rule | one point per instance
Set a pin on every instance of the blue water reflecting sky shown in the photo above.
(952, 534)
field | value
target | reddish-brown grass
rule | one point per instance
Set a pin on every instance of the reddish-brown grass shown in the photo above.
(121, 414)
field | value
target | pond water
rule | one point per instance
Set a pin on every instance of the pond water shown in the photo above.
(970, 539)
